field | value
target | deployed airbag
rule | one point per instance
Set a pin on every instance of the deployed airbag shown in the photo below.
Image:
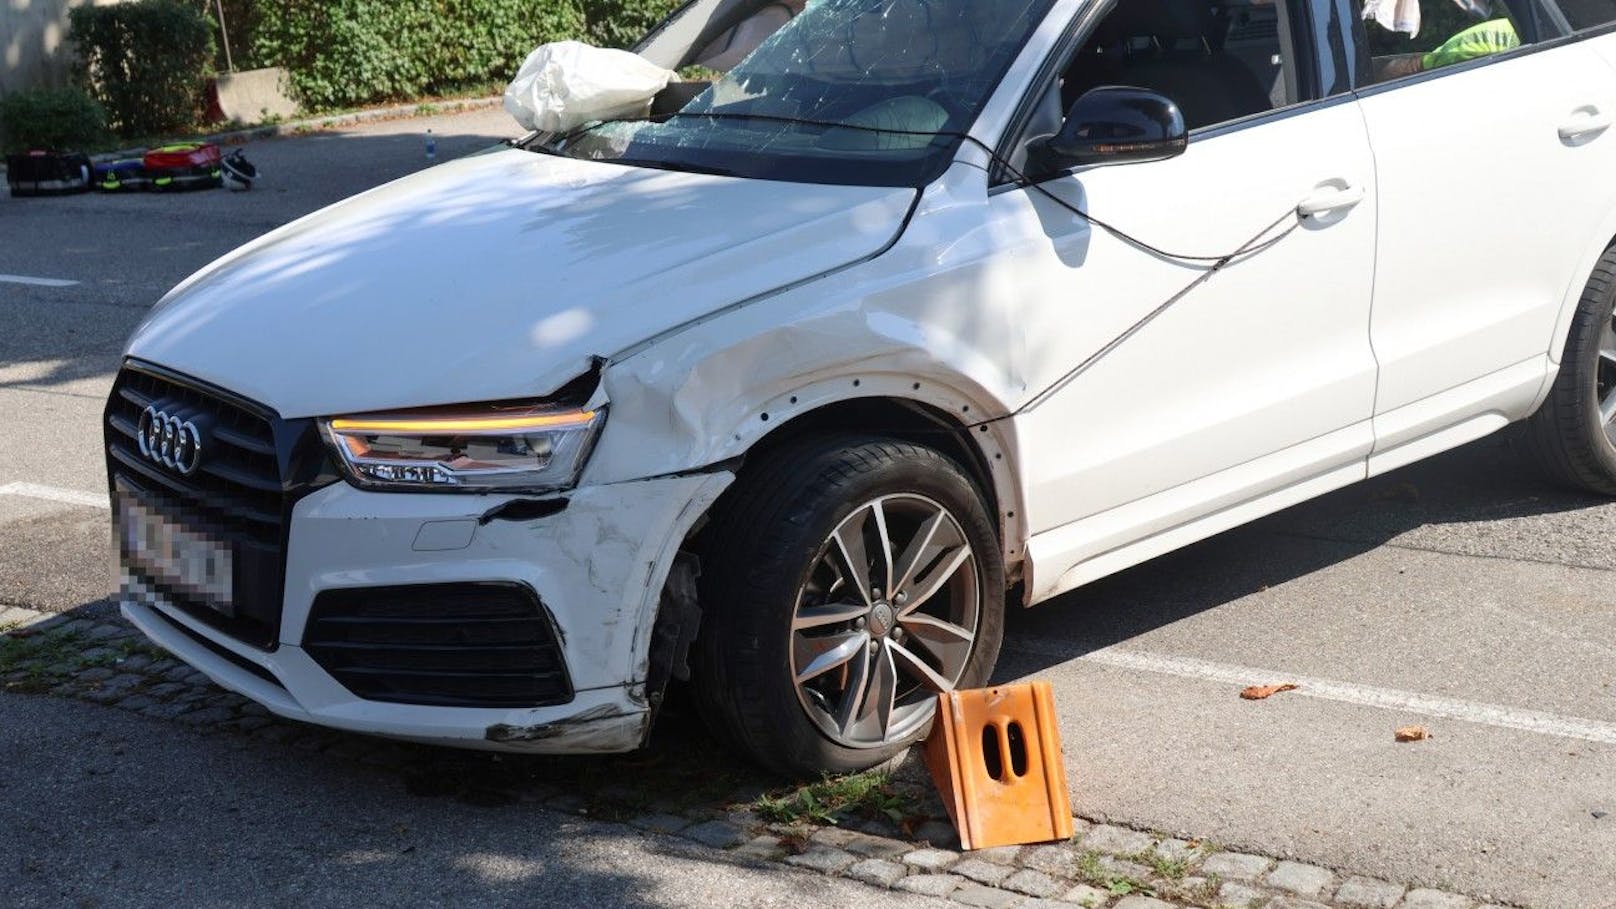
(565, 84)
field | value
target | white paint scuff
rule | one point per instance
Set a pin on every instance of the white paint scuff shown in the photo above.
(36, 282)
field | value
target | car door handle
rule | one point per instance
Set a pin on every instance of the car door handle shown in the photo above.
(1588, 121)
(1330, 200)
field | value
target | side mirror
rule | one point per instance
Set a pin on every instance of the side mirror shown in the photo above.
(1113, 124)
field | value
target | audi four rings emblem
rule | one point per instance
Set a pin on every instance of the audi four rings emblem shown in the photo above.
(170, 441)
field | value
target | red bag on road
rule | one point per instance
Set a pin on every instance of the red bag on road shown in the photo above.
(190, 166)
(195, 154)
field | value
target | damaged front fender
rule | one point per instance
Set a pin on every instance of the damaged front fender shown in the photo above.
(910, 325)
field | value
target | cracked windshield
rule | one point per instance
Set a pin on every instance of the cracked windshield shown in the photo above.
(869, 92)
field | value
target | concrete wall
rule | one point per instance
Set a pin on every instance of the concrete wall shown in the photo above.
(34, 50)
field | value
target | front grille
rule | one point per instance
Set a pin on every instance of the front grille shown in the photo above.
(253, 469)
(453, 645)
(239, 479)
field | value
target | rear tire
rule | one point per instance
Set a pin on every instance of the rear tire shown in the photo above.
(1573, 436)
(803, 667)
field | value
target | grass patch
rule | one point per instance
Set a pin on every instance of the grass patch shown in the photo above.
(21, 649)
(41, 657)
(46, 658)
(1207, 892)
(835, 799)
(1204, 892)
(1169, 868)
(1093, 872)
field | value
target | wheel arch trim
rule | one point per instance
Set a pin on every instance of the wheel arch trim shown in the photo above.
(1573, 292)
(900, 407)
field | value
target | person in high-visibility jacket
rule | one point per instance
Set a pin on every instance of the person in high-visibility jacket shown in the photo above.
(1484, 40)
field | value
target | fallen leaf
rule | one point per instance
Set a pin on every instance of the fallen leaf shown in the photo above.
(1261, 692)
(1412, 734)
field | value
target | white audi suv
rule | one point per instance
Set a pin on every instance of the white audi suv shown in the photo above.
(918, 309)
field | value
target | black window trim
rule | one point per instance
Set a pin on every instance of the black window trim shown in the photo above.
(1534, 17)
(1082, 25)
(1354, 40)
(1561, 22)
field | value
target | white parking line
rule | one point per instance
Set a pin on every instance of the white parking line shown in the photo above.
(55, 494)
(1496, 715)
(36, 282)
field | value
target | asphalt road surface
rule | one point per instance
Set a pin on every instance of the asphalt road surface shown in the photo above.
(1462, 594)
(103, 808)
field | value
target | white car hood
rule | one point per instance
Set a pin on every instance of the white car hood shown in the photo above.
(495, 277)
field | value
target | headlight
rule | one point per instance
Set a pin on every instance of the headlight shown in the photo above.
(506, 447)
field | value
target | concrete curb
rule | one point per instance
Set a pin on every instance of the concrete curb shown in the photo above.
(1103, 866)
(317, 124)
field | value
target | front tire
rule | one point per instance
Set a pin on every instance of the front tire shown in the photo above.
(845, 581)
(1573, 436)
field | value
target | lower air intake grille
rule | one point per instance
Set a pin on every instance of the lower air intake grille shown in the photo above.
(446, 645)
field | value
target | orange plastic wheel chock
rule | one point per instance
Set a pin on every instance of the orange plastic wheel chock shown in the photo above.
(995, 755)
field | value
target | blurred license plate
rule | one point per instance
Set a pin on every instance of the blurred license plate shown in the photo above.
(180, 559)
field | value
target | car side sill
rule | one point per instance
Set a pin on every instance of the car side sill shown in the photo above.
(1459, 415)
(1211, 525)
(1072, 555)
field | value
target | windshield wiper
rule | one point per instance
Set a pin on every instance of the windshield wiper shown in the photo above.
(766, 118)
(682, 166)
(530, 142)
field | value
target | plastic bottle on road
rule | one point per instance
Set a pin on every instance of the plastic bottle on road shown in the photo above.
(431, 146)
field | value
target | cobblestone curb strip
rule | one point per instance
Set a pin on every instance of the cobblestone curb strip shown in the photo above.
(1103, 866)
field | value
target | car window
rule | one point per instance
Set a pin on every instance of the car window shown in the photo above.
(1415, 36)
(1586, 14)
(1219, 61)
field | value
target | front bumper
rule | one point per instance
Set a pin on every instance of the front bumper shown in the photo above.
(598, 566)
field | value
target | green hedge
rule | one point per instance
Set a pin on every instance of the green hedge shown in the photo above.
(241, 21)
(622, 23)
(65, 119)
(344, 53)
(144, 62)
(348, 52)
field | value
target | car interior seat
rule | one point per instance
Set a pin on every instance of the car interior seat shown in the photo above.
(1173, 47)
